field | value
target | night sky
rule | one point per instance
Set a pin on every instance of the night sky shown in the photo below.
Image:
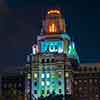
(20, 23)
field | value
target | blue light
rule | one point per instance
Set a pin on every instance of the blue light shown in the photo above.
(42, 76)
(52, 46)
(47, 75)
(42, 83)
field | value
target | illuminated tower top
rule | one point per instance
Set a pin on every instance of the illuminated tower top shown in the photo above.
(54, 23)
(54, 38)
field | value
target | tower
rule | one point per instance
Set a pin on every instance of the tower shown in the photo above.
(53, 58)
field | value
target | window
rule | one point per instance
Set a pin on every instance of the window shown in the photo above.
(43, 60)
(48, 91)
(85, 88)
(85, 81)
(42, 91)
(90, 69)
(14, 92)
(48, 83)
(42, 76)
(95, 69)
(60, 91)
(35, 83)
(48, 75)
(80, 88)
(35, 91)
(60, 74)
(48, 61)
(28, 76)
(85, 68)
(14, 85)
(75, 82)
(80, 81)
(35, 75)
(67, 74)
(97, 96)
(90, 81)
(42, 83)
(19, 84)
(5, 85)
(10, 85)
(59, 82)
(95, 80)
(52, 60)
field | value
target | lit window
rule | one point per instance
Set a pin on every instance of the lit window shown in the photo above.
(42, 83)
(80, 81)
(48, 83)
(48, 75)
(85, 81)
(35, 75)
(60, 50)
(95, 81)
(80, 88)
(60, 74)
(52, 28)
(97, 96)
(90, 80)
(75, 83)
(42, 76)
(67, 74)
(29, 76)
(28, 90)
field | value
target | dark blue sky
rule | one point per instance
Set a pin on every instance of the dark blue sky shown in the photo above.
(20, 23)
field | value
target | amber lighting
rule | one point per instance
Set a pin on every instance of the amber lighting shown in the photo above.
(54, 12)
(52, 28)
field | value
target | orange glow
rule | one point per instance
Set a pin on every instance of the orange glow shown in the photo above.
(54, 12)
(52, 28)
(49, 28)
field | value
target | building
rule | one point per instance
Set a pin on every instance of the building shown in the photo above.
(86, 82)
(50, 66)
(13, 84)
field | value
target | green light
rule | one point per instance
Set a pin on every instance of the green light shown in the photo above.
(72, 50)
